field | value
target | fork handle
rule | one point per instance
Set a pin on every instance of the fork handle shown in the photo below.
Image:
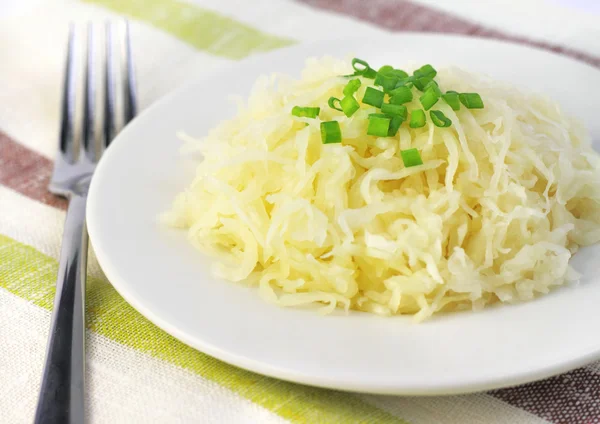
(61, 397)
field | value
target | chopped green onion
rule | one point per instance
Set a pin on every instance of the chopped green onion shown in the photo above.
(471, 100)
(425, 71)
(452, 100)
(385, 78)
(411, 157)
(421, 82)
(395, 124)
(370, 73)
(378, 126)
(334, 103)
(401, 95)
(429, 98)
(373, 97)
(388, 83)
(397, 100)
(306, 112)
(363, 65)
(417, 119)
(352, 87)
(349, 105)
(399, 73)
(406, 82)
(392, 109)
(331, 132)
(439, 119)
(378, 115)
(364, 69)
(435, 87)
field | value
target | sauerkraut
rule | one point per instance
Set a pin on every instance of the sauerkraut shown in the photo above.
(504, 198)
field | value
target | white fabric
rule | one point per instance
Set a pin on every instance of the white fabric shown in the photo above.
(32, 36)
(123, 385)
(561, 22)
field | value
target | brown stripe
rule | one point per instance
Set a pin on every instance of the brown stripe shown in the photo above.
(571, 398)
(402, 15)
(26, 172)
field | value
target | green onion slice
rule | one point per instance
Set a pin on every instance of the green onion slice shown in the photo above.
(386, 81)
(360, 65)
(388, 77)
(425, 71)
(401, 95)
(406, 82)
(417, 118)
(373, 97)
(349, 105)
(411, 157)
(421, 82)
(331, 132)
(370, 73)
(306, 112)
(471, 100)
(378, 126)
(362, 68)
(352, 87)
(429, 98)
(435, 87)
(394, 110)
(334, 103)
(395, 124)
(452, 100)
(439, 119)
(399, 73)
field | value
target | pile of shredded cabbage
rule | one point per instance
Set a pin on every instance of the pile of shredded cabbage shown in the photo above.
(504, 198)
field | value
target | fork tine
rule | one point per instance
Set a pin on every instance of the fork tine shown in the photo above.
(67, 127)
(130, 107)
(109, 88)
(88, 114)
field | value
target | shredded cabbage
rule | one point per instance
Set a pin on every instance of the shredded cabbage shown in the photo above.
(504, 198)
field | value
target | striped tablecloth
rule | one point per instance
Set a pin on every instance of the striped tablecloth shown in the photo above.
(136, 372)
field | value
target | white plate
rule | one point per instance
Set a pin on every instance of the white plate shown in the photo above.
(167, 280)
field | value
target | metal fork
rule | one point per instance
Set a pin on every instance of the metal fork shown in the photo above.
(61, 397)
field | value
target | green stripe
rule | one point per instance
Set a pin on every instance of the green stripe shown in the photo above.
(30, 274)
(202, 28)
